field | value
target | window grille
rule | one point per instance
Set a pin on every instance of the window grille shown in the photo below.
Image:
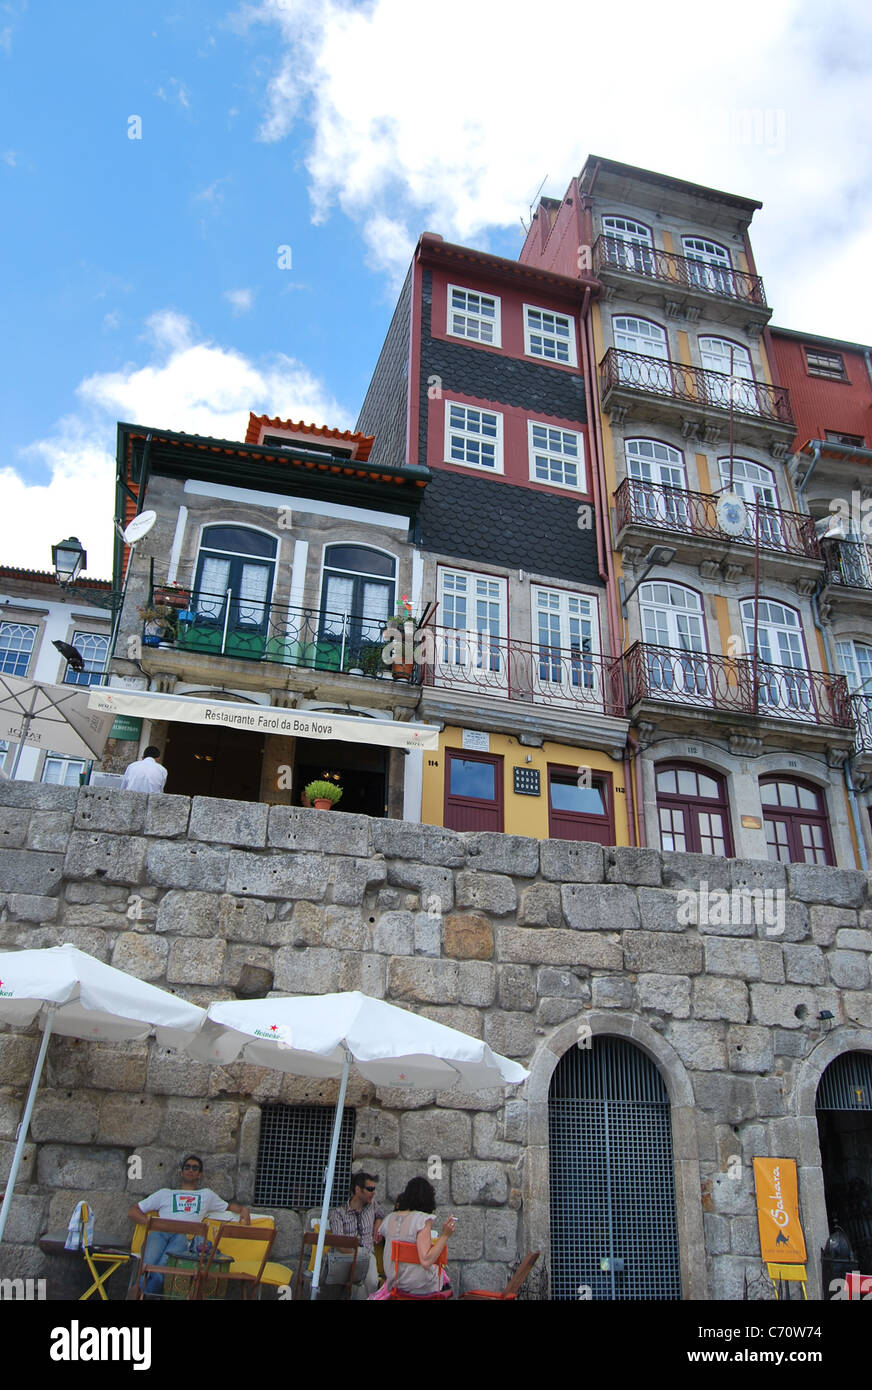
(293, 1153)
(847, 1083)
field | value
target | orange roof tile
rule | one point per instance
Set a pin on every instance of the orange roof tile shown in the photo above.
(256, 423)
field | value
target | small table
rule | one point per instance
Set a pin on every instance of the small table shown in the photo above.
(213, 1289)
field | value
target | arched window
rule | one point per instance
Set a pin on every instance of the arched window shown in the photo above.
(640, 335)
(796, 821)
(628, 244)
(357, 592)
(672, 627)
(710, 268)
(756, 486)
(782, 671)
(236, 565)
(661, 466)
(731, 374)
(693, 810)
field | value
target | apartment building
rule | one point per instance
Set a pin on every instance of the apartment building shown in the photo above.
(484, 379)
(740, 726)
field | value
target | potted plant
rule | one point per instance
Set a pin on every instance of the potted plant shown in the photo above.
(401, 667)
(160, 623)
(172, 595)
(324, 792)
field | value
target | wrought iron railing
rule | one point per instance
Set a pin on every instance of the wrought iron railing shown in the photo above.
(538, 672)
(727, 683)
(848, 563)
(247, 629)
(695, 514)
(654, 376)
(611, 253)
(861, 706)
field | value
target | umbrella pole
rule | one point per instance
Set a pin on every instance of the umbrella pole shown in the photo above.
(331, 1169)
(25, 1122)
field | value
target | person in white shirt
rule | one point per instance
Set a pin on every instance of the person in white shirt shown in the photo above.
(188, 1201)
(147, 775)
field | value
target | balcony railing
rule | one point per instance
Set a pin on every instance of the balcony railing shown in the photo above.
(861, 706)
(482, 663)
(654, 376)
(848, 563)
(727, 683)
(250, 630)
(695, 514)
(611, 253)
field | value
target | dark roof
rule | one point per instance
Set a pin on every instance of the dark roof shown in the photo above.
(794, 334)
(698, 190)
(433, 250)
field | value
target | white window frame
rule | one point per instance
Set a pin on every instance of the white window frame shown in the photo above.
(569, 678)
(29, 627)
(634, 240)
(555, 455)
(84, 642)
(476, 656)
(473, 318)
(472, 436)
(541, 330)
(66, 763)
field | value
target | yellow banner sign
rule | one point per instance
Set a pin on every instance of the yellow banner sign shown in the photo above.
(781, 1238)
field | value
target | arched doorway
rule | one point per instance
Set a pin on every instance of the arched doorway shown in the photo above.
(613, 1215)
(844, 1115)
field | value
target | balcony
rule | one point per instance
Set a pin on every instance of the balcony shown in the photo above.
(723, 687)
(248, 637)
(689, 287)
(568, 692)
(695, 400)
(861, 706)
(788, 542)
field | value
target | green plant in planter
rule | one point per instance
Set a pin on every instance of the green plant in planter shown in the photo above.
(370, 659)
(323, 791)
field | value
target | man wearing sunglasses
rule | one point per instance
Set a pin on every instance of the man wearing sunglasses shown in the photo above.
(188, 1201)
(362, 1217)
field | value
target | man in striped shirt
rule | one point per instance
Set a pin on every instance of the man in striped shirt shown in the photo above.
(361, 1217)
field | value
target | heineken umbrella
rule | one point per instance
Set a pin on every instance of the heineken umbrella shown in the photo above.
(71, 993)
(54, 717)
(322, 1035)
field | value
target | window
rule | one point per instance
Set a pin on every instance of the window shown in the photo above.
(60, 771)
(473, 316)
(473, 437)
(796, 823)
(236, 566)
(731, 374)
(473, 790)
(628, 244)
(293, 1151)
(756, 486)
(580, 812)
(471, 646)
(783, 684)
(549, 335)
(672, 625)
(828, 364)
(16, 645)
(692, 810)
(662, 467)
(93, 647)
(853, 441)
(855, 664)
(710, 267)
(357, 594)
(565, 637)
(556, 456)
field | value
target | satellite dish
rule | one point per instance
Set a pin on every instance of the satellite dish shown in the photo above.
(139, 527)
(732, 514)
(71, 655)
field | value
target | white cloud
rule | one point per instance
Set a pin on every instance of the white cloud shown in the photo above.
(240, 300)
(178, 90)
(450, 124)
(111, 320)
(189, 384)
(9, 157)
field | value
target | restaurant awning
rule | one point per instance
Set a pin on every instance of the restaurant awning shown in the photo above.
(58, 718)
(264, 719)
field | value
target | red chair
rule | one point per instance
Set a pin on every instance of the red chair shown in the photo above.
(514, 1284)
(405, 1252)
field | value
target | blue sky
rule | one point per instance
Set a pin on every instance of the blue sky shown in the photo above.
(141, 278)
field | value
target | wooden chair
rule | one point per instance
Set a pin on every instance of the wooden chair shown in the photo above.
(405, 1252)
(345, 1244)
(247, 1271)
(193, 1276)
(277, 1275)
(514, 1284)
(112, 1255)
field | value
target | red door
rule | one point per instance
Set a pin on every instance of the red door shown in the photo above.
(473, 791)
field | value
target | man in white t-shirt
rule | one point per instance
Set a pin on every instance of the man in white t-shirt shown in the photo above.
(147, 775)
(187, 1202)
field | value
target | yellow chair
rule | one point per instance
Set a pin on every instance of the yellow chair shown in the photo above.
(112, 1256)
(788, 1274)
(245, 1262)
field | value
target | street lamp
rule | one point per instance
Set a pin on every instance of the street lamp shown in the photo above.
(69, 559)
(657, 555)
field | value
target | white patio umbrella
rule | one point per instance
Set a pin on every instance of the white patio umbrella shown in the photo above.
(71, 993)
(51, 716)
(322, 1035)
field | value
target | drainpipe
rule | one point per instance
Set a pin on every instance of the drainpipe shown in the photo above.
(816, 445)
(633, 765)
(849, 780)
(867, 358)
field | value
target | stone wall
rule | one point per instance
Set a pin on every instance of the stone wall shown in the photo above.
(514, 940)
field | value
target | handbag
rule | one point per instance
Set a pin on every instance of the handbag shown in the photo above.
(384, 1291)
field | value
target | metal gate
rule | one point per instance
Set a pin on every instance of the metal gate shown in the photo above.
(844, 1116)
(613, 1225)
